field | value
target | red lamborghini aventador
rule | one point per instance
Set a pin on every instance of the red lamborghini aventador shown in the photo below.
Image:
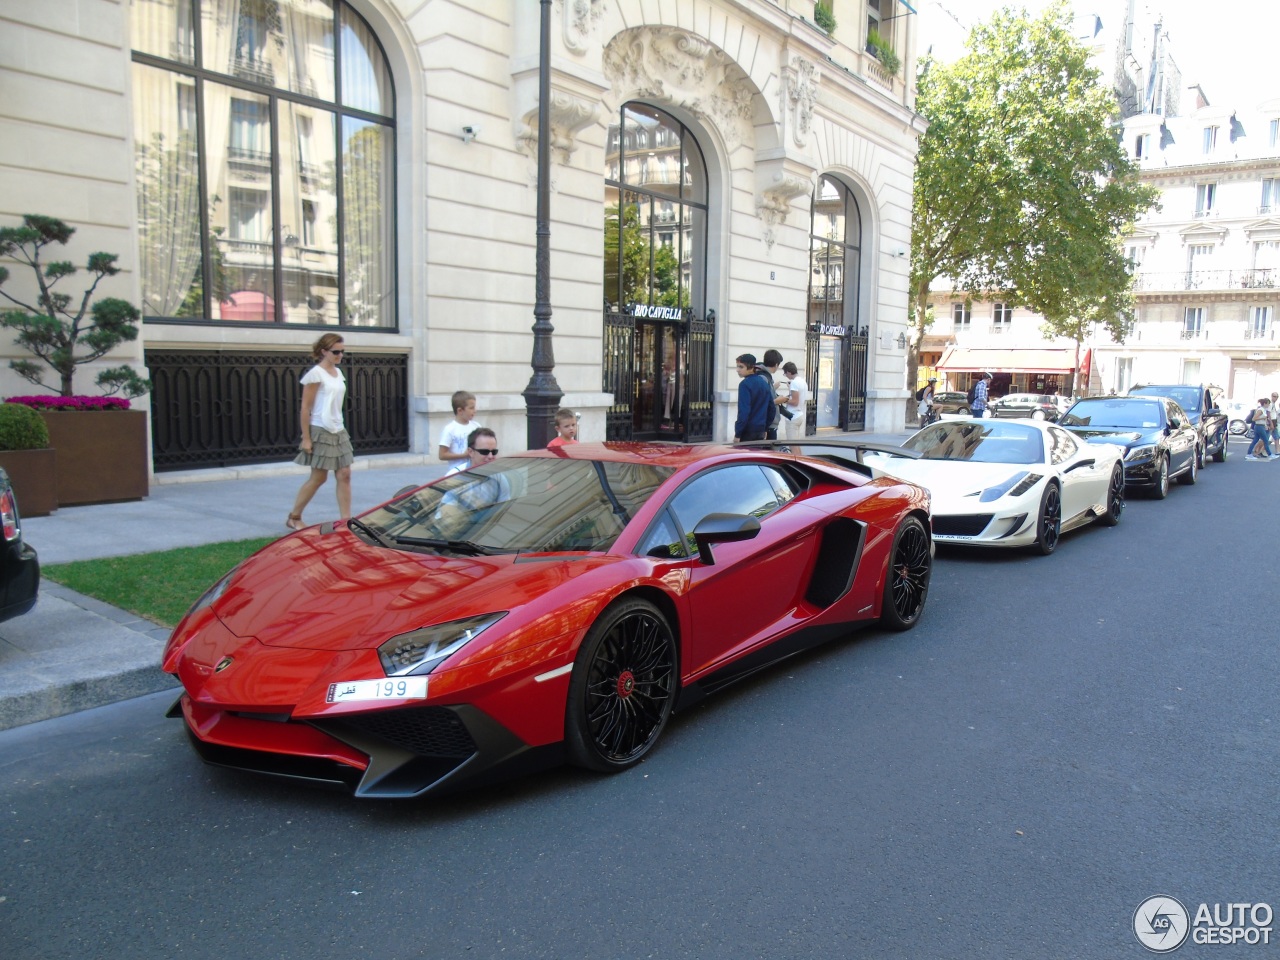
(556, 604)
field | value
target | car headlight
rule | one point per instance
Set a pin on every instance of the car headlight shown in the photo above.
(1017, 485)
(421, 651)
(1144, 452)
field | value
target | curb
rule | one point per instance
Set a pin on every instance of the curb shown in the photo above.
(41, 685)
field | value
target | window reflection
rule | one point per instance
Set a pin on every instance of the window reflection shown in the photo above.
(273, 151)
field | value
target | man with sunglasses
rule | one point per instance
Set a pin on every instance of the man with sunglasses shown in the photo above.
(482, 446)
(462, 505)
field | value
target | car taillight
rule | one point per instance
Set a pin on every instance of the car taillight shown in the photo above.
(9, 515)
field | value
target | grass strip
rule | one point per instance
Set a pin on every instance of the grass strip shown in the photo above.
(159, 586)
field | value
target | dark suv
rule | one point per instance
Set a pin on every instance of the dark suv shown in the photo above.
(1197, 401)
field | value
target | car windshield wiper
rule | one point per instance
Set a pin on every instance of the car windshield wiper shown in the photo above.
(368, 531)
(468, 547)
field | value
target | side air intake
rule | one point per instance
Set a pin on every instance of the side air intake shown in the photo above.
(838, 557)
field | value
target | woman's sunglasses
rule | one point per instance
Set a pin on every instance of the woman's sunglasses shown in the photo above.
(337, 353)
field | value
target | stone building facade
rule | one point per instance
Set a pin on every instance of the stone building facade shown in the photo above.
(726, 177)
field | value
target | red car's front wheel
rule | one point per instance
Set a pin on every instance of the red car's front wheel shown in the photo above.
(623, 687)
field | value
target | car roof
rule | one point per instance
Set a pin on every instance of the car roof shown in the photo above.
(660, 452)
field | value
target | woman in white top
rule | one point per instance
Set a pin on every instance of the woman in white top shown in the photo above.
(325, 443)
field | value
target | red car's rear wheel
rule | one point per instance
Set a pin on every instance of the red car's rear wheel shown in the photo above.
(623, 687)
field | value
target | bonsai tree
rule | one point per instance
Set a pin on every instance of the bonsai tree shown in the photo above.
(58, 330)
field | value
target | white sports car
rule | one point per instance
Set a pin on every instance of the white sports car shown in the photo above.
(1010, 483)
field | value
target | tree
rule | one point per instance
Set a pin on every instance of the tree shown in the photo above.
(51, 330)
(1021, 185)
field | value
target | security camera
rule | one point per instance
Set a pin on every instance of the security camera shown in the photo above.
(469, 133)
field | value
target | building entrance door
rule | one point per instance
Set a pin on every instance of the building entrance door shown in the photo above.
(658, 404)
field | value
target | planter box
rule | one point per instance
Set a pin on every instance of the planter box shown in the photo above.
(102, 455)
(34, 475)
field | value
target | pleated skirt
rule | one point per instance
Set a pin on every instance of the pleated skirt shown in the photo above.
(329, 451)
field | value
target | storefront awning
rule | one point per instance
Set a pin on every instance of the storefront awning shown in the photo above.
(972, 360)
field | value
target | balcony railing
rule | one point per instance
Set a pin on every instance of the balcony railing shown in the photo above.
(1191, 334)
(1208, 280)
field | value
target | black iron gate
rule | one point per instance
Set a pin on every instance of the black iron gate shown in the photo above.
(853, 391)
(219, 408)
(693, 379)
(855, 408)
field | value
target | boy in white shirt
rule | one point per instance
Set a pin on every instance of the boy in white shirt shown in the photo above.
(453, 438)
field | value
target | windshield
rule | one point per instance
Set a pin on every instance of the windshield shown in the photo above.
(1138, 415)
(991, 441)
(520, 504)
(1188, 397)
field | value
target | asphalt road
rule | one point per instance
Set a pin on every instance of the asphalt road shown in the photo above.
(1060, 739)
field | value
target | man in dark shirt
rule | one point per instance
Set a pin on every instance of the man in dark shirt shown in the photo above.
(754, 400)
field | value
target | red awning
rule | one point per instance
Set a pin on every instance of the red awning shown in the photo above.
(974, 360)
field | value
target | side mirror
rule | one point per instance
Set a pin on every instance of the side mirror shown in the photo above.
(722, 528)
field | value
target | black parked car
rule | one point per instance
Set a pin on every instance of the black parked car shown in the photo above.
(1036, 406)
(19, 565)
(1199, 403)
(1158, 438)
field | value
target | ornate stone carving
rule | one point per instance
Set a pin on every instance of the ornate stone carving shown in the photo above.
(666, 64)
(780, 184)
(580, 20)
(569, 114)
(801, 95)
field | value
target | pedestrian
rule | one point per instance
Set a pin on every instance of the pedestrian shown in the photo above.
(768, 368)
(453, 438)
(981, 390)
(755, 399)
(794, 405)
(924, 408)
(325, 443)
(566, 428)
(1260, 420)
(1275, 422)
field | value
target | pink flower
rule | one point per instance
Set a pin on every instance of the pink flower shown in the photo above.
(53, 402)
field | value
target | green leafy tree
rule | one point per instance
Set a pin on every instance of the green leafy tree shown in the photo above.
(58, 329)
(1021, 185)
(626, 281)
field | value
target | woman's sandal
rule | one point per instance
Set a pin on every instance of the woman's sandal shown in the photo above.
(294, 522)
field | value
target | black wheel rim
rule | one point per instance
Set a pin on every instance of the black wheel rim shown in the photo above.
(1051, 519)
(629, 687)
(910, 573)
(1115, 500)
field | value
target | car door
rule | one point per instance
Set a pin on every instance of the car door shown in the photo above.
(1182, 438)
(1083, 482)
(754, 587)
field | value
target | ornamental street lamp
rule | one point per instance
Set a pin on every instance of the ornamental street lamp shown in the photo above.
(542, 396)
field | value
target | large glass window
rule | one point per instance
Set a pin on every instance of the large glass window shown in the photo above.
(835, 250)
(655, 212)
(265, 140)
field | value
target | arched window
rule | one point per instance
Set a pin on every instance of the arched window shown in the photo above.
(837, 342)
(265, 140)
(659, 341)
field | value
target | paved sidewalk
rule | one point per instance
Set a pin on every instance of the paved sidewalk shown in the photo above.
(73, 652)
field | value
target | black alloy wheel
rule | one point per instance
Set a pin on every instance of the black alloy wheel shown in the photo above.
(1115, 497)
(1189, 476)
(1161, 489)
(623, 687)
(906, 582)
(1049, 526)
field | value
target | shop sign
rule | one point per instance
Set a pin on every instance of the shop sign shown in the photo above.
(655, 312)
